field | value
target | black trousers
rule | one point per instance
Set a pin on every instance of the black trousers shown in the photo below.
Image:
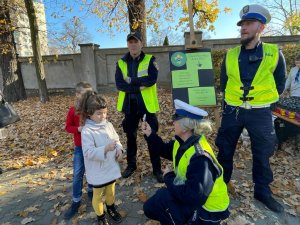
(163, 207)
(130, 125)
(258, 123)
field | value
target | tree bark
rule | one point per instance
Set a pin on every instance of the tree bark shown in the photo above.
(137, 13)
(36, 47)
(11, 77)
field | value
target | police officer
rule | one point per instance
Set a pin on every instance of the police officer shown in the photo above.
(195, 191)
(252, 77)
(136, 76)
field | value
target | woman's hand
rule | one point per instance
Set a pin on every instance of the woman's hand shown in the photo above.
(110, 147)
(146, 129)
(119, 155)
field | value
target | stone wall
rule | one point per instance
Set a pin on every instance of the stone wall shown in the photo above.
(97, 65)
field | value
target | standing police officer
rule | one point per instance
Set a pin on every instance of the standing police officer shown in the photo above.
(136, 76)
(252, 77)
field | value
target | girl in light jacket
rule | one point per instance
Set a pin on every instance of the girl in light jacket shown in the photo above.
(101, 150)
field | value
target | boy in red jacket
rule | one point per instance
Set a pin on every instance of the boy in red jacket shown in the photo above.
(73, 126)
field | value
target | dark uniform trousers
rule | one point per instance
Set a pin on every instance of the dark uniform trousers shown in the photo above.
(259, 125)
(130, 126)
(165, 208)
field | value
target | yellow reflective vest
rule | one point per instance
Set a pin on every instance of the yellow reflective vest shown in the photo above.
(218, 199)
(263, 87)
(149, 94)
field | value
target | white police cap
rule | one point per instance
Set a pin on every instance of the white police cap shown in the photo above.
(185, 110)
(254, 12)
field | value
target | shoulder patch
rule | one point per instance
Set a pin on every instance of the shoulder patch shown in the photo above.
(200, 152)
(156, 65)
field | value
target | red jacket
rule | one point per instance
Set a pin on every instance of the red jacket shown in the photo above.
(72, 124)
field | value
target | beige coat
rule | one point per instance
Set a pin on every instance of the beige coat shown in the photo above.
(100, 168)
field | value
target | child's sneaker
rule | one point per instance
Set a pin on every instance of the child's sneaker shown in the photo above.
(72, 210)
(113, 213)
(102, 220)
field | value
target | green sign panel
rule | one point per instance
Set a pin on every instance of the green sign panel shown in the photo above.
(193, 77)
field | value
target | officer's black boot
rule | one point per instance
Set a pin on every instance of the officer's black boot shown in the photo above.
(159, 176)
(113, 213)
(102, 220)
(270, 202)
(128, 172)
(72, 210)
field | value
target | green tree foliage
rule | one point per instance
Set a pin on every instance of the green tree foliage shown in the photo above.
(285, 16)
(157, 38)
(217, 59)
(290, 51)
(166, 41)
(119, 14)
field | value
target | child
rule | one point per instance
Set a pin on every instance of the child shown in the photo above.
(292, 83)
(73, 126)
(101, 150)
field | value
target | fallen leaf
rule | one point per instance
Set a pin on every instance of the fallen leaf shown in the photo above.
(32, 209)
(54, 221)
(123, 213)
(142, 197)
(118, 202)
(140, 212)
(152, 222)
(27, 220)
(23, 213)
(29, 162)
(291, 211)
(159, 185)
(62, 223)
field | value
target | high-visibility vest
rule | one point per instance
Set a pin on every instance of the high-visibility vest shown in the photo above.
(263, 87)
(218, 199)
(149, 94)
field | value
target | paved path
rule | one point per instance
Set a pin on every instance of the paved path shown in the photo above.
(43, 194)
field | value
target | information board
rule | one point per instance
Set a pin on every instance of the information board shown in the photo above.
(193, 76)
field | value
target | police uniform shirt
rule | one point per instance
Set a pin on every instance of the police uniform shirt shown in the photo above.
(248, 68)
(133, 100)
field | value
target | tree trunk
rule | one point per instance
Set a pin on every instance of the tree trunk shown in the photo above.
(36, 47)
(137, 15)
(11, 77)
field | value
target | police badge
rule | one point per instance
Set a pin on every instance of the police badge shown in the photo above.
(246, 9)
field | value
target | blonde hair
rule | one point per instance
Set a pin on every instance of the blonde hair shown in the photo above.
(198, 127)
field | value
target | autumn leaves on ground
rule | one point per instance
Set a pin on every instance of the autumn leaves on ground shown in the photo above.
(39, 141)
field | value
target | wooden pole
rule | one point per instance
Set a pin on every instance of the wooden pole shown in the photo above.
(194, 45)
(191, 24)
